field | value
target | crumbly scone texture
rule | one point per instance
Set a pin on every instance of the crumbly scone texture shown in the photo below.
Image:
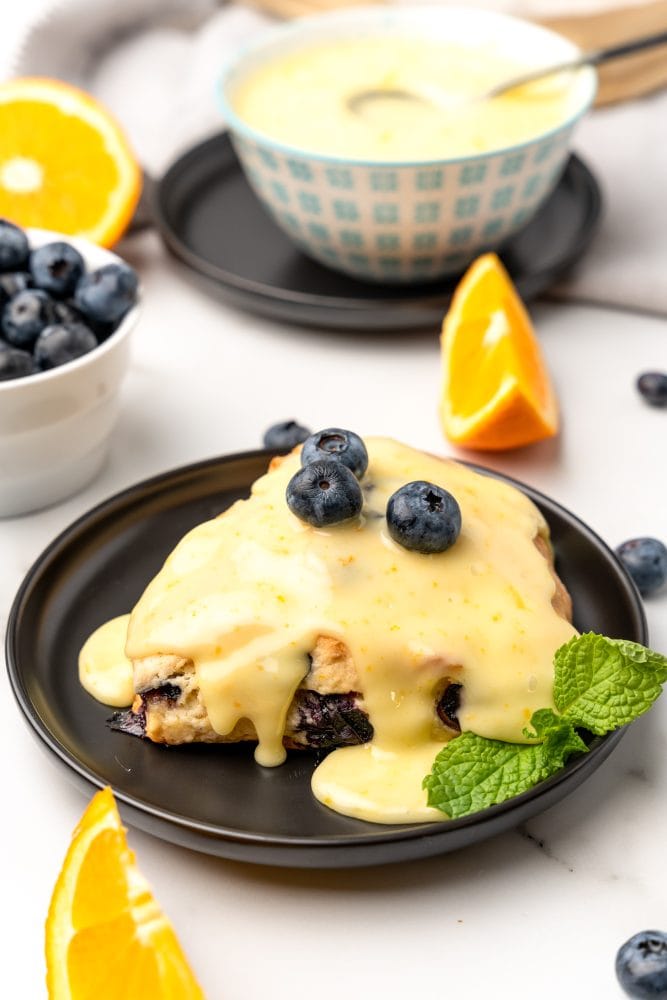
(171, 708)
(328, 708)
(179, 715)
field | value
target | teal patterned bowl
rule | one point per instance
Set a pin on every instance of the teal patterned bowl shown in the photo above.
(407, 221)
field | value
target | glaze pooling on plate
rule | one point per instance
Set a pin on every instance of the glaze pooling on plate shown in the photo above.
(104, 670)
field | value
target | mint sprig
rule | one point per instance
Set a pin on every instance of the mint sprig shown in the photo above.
(472, 772)
(600, 684)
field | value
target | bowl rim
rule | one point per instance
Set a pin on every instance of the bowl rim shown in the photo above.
(84, 246)
(352, 15)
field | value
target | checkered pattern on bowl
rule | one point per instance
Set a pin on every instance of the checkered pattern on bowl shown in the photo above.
(403, 223)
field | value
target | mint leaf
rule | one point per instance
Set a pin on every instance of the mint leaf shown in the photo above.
(543, 721)
(559, 736)
(472, 773)
(602, 684)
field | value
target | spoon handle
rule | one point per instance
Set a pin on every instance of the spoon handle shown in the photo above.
(626, 49)
(594, 58)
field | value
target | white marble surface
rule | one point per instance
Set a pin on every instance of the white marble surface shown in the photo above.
(540, 909)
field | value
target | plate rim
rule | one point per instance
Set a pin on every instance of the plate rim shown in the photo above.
(377, 835)
(277, 296)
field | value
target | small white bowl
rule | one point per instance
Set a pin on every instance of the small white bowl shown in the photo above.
(412, 220)
(55, 426)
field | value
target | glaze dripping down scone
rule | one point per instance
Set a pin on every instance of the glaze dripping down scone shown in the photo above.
(326, 711)
(260, 627)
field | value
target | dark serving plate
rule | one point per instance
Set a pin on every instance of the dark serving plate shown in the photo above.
(212, 221)
(216, 799)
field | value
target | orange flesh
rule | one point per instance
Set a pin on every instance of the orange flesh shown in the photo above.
(496, 389)
(64, 163)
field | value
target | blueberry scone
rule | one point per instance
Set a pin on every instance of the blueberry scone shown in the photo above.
(367, 598)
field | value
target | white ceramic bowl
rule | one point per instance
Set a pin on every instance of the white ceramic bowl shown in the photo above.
(55, 426)
(404, 221)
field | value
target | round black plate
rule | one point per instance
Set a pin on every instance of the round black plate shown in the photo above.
(213, 222)
(216, 799)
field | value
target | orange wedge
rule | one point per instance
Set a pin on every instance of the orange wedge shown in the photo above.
(496, 391)
(64, 162)
(106, 937)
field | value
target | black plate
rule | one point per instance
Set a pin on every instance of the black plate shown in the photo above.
(217, 799)
(213, 222)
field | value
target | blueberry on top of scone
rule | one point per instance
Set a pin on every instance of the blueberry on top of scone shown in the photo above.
(336, 445)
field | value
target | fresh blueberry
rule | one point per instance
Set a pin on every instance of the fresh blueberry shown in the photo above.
(335, 444)
(283, 437)
(67, 312)
(25, 316)
(646, 561)
(423, 517)
(641, 965)
(57, 267)
(61, 343)
(105, 295)
(324, 493)
(14, 363)
(101, 330)
(12, 283)
(653, 387)
(14, 247)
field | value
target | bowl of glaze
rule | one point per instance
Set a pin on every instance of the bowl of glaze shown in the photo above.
(385, 199)
(56, 425)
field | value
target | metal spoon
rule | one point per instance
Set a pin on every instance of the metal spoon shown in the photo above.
(443, 101)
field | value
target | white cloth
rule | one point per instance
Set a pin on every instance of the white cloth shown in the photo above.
(626, 147)
(155, 63)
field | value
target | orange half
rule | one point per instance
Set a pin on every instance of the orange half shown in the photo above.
(64, 162)
(496, 390)
(106, 936)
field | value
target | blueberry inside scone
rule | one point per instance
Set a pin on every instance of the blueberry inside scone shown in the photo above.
(327, 710)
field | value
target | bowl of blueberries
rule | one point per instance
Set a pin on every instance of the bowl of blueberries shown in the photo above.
(67, 308)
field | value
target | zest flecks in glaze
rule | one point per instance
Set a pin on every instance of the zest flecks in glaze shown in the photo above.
(246, 596)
